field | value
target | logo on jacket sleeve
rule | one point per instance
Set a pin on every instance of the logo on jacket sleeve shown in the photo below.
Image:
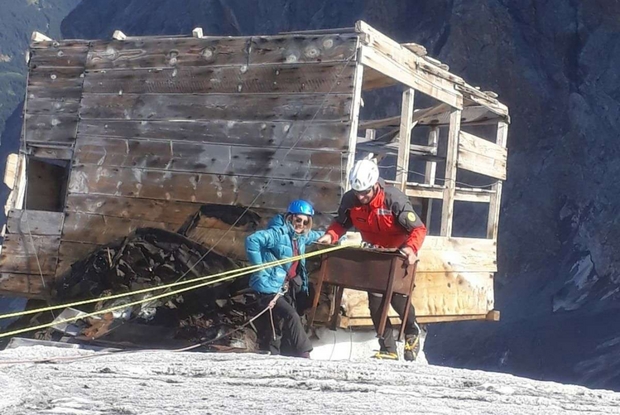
(411, 217)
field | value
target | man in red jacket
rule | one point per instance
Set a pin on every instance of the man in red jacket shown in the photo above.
(384, 217)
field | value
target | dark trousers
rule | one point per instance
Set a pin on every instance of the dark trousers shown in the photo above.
(291, 338)
(399, 303)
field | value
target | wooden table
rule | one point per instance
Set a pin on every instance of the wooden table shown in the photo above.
(380, 271)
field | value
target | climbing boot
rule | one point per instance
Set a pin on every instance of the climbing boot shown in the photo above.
(412, 347)
(385, 355)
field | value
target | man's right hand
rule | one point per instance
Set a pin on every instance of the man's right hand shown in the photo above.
(325, 239)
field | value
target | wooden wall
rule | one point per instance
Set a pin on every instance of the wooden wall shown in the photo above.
(156, 127)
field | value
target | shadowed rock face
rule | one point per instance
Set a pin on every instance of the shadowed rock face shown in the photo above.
(554, 64)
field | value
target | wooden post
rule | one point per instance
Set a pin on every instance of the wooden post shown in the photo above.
(430, 173)
(404, 141)
(355, 114)
(496, 198)
(447, 210)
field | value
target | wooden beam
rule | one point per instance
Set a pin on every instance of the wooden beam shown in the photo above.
(404, 140)
(439, 116)
(354, 120)
(428, 85)
(481, 98)
(427, 67)
(481, 156)
(415, 48)
(447, 210)
(430, 170)
(496, 199)
(462, 194)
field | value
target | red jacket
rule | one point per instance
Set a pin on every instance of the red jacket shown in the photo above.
(388, 220)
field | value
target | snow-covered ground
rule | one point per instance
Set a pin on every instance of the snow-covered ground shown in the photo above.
(166, 382)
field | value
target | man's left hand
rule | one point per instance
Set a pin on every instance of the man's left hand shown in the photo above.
(410, 254)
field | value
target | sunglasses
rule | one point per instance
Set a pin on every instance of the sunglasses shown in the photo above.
(363, 192)
(301, 221)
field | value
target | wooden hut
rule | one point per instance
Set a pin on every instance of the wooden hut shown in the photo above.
(137, 132)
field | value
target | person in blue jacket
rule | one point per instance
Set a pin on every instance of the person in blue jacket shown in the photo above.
(286, 236)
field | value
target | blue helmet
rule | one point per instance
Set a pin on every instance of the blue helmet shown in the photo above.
(300, 207)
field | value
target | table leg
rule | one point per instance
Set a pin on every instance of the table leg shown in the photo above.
(317, 290)
(387, 299)
(412, 269)
(334, 322)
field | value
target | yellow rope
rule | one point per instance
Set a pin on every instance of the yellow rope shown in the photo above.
(239, 272)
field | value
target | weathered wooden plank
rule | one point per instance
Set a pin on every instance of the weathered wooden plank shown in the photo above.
(70, 252)
(496, 200)
(482, 156)
(168, 211)
(35, 92)
(430, 85)
(477, 145)
(36, 222)
(174, 212)
(298, 48)
(168, 52)
(404, 138)
(59, 56)
(453, 293)
(202, 188)
(426, 67)
(302, 78)
(450, 293)
(15, 200)
(59, 129)
(11, 170)
(132, 208)
(430, 170)
(354, 120)
(437, 116)
(53, 106)
(247, 107)
(101, 230)
(210, 158)
(44, 151)
(482, 165)
(463, 194)
(79, 44)
(439, 254)
(447, 208)
(55, 82)
(20, 254)
(25, 285)
(317, 135)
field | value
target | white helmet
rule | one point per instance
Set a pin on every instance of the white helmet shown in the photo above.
(364, 175)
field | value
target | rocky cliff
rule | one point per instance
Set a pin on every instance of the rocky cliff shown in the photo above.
(554, 64)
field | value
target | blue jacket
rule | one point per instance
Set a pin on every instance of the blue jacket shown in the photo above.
(272, 244)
